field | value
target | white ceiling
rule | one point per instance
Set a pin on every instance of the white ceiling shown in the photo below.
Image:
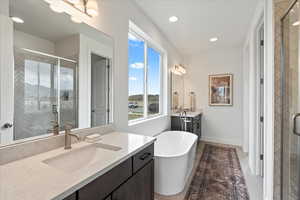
(200, 20)
(42, 22)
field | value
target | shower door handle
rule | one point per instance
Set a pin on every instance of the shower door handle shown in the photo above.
(295, 124)
(7, 125)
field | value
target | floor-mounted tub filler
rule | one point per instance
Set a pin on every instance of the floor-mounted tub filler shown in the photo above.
(174, 160)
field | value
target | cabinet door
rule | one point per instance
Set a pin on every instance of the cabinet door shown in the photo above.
(139, 187)
(71, 197)
(108, 198)
(175, 123)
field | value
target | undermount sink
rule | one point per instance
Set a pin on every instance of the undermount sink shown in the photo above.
(79, 158)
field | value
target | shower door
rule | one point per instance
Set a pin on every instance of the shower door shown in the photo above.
(45, 92)
(291, 105)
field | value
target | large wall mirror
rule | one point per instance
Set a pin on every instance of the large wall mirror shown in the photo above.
(177, 85)
(62, 74)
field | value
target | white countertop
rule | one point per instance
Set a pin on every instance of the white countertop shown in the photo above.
(189, 114)
(32, 179)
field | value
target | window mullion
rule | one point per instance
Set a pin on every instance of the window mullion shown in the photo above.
(146, 80)
(58, 89)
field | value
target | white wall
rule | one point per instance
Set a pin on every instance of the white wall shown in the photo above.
(114, 19)
(25, 40)
(220, 124)
(67, 47)
(4, 7)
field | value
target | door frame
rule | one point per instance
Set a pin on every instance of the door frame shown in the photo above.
(260, 100)
(6, 79)
(87, 47)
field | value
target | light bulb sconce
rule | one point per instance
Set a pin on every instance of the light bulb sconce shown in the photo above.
(179, 70)
(82, 6)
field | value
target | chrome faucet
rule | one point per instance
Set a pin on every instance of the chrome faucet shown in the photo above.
(184, 120)
(54, 123)
(68, 136)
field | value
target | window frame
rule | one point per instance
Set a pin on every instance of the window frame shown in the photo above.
(148, 43)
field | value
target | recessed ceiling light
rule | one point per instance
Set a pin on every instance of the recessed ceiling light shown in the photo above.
(17, 20)
(173, 19)
(214, 39)
(297, 23)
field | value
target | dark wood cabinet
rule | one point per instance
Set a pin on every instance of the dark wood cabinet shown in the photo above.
(133, 179)
(139, 187)
(108, 198)
(193, 125)
(71, 197)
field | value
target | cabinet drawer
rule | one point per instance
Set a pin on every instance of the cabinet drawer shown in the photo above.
(142, 158)
(105, 184)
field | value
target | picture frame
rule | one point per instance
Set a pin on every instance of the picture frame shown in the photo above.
(221, 90)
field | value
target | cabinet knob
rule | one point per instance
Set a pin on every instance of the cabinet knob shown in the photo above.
(145, 156)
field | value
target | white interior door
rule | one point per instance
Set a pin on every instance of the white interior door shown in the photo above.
(99, 91)
(6, 80)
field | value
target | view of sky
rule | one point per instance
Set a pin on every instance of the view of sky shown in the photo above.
(136, 59)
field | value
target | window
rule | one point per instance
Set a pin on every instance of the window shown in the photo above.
(144, 83)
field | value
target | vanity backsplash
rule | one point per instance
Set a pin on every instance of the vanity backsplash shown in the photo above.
(29, 148)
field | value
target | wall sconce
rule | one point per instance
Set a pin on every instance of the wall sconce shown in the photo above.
(89, 7)
(179, 70)
(82, 7)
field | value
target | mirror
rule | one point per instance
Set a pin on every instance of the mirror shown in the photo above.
(177, 92)
(62, 73)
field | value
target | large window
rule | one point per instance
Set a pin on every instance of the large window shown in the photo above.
(144, 78)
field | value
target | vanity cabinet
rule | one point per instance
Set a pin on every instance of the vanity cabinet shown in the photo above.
(71, 197)
(139, 187)
(133, 179)
(193, 126)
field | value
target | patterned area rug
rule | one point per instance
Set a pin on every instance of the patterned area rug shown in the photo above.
(219, 176)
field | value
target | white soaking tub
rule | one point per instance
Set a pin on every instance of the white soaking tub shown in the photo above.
(174, 160)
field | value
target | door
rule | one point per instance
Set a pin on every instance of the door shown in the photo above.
(139, 187)
(100, 93)
(291, 106)
(6, 80)
(261, 98)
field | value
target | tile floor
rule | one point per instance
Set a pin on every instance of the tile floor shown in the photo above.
(254, 183)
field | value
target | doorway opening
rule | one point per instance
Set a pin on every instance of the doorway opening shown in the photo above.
(100, 73)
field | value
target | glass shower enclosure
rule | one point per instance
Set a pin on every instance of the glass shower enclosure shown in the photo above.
(290, 179)
(45, 93)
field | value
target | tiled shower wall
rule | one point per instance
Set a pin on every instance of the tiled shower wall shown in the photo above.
(280, 8)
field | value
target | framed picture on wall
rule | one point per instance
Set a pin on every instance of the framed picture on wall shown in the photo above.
(220, 90)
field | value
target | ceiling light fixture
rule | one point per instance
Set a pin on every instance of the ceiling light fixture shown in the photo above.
(76, 19)
(80, 5)
(56, 6)
(74, 1)
(214, 39)
(17, 20)
(87, 7)
(92, 7)
(173, 19)
(297, 23)
(179, 70)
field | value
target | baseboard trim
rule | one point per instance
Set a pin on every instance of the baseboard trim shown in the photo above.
(222, 141)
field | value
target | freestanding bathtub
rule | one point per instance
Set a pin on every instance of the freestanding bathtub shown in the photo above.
(174, 159)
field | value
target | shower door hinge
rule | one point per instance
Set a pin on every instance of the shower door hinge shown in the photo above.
(107, 63)
(261, 81)
(261, 119)
(262, 43)
(261, 157)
